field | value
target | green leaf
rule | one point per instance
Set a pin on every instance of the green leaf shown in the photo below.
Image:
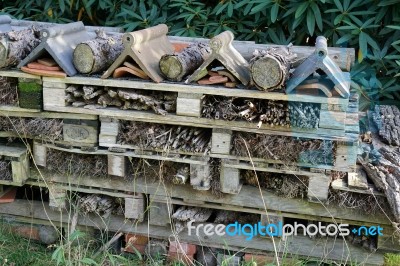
(339, 5)
(230, 9)
(371, 42)
(142, 10)
(61, 3)
(88, 261)
(363, 43)
(395, 27)
(301, 9)
(274, 12)
(310, 22)
(317, 15)
(345, 38)
(338, 19)
(260, 7)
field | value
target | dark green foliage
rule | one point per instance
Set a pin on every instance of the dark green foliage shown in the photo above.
(370, 26)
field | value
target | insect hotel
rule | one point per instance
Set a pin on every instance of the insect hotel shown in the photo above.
(145, 135)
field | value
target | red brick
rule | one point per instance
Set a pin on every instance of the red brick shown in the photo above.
(135, 243)
(259, 259)
(136, 239)
(27, 231)
(8, 196)
(182, 247)
(179, 257)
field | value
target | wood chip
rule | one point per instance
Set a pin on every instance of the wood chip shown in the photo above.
(47, 62)
(35, 65)
(124, 71)
(45, 73)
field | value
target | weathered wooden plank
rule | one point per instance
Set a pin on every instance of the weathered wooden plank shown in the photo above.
(318, 188)
(188, 107)
(229, 179)
(221, 141)
(199, 89)
(333, 249)
(340, 184)
(53, 98)
(18, 74)
(79, 133)
(135, 207)
(19, 164)
(251, 196)
(357, 180)
(332, 120)
(117, 165)
(20, 112)
(39, 154)
(321, 133)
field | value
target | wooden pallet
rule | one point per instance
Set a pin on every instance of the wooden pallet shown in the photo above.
(249, 198)
(118, 163)
(18, 155)
(333, 250)
(79, 130)
(332, 115)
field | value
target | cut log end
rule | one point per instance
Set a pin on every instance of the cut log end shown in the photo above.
(171, 67)
(83, 58)
(267, 73)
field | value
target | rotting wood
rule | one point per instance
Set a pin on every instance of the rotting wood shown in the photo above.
(94, 56)
(270, 68)
(178, 65)
(16, 45)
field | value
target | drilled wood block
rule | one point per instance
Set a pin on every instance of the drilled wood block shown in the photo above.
(160, 213)
(230, 180)
(200, 175)
(108, 131)
(80, 131)
(346, 156)
(189, 104)
(332, 120)
(57, 198)
(221, 141)
(18, 155)
(135, 207)
(39, 154)
(53, 97)
(318, 188)
(117, 165)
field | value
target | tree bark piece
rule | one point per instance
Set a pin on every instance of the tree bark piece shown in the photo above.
(178, 65)
(387, 119)
(97, 55)
(16, 45)
(270, 68)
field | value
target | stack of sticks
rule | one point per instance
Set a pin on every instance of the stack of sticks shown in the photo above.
(219, 75)
(5, 169)
(99, 204)
(268, 112)
(101, 97)
(44, 67)
(165, 137)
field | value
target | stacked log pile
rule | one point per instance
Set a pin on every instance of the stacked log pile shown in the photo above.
(76, 165)
(268, 112)
(5, 169)
(101, 97)
(8, 91)
(164, 137)
(46, 129)
(288, 186)
(99, 204)
(387, 119)
(277, 147)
